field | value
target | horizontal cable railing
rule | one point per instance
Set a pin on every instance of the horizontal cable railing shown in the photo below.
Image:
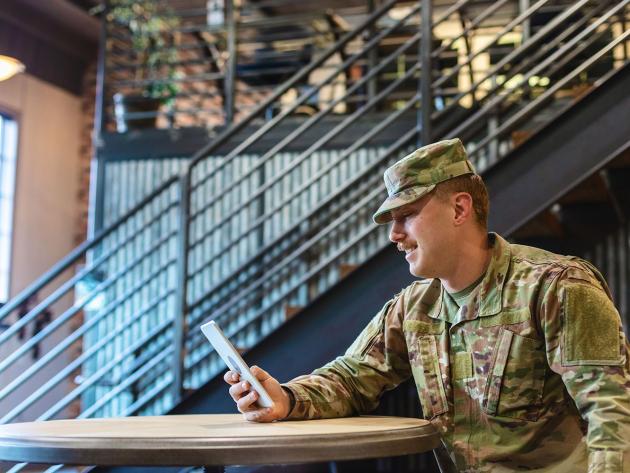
(574, 49)
(289, 266)
(84, 339)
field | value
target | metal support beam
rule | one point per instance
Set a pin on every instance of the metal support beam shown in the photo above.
(181, 308)
(97, 167)
(468, 46)
(230, 70)
(426, 43)
(523, 6)
(372, 55)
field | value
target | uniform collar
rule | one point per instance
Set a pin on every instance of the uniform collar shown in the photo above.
(489, 295)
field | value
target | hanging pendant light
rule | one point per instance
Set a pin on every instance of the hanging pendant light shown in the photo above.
(9, 66)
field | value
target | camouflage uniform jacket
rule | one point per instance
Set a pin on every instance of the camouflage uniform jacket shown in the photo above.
(533, 374)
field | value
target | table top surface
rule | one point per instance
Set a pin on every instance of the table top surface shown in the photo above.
(212, 439)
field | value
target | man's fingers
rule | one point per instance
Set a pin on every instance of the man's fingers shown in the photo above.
(259, 415)
(246, 398)
(237, 390)
(231, 377)
(245, 403)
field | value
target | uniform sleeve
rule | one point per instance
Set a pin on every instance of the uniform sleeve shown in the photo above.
(352, 384)
(586, 346)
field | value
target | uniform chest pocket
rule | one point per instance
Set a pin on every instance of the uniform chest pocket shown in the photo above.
(428, 377)
(516, 378)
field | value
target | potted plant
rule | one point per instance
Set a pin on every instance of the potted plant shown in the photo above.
(151, 25)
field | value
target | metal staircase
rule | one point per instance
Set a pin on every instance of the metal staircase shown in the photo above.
(254, 231)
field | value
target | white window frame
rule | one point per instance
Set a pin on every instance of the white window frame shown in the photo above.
(9, 142)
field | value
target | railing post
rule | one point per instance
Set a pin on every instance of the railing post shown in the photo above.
(372, 55)
(426, 44)
(181, 305)
(523, 5)
(230, 70)
(97, 167)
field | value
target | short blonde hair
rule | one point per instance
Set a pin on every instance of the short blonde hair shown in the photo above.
(471, 184)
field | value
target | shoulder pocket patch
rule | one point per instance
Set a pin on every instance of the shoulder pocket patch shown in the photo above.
(591, 326)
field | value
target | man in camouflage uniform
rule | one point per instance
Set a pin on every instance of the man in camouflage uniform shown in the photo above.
(518, 354)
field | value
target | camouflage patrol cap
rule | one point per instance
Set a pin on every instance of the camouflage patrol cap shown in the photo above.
(417, 174)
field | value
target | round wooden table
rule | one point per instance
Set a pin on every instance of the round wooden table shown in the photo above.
(213, 439)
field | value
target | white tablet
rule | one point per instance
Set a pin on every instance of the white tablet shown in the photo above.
(234, 361)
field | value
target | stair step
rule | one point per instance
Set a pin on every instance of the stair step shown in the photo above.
(345, 269)
(291, 310)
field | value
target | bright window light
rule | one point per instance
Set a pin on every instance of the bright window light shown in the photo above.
(8, 158)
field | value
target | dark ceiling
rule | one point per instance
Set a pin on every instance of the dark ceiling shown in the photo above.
(55, 39)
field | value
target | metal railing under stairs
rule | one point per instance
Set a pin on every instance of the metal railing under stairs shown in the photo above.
(250, 238)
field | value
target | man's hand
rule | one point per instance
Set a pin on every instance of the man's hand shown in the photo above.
(246, 399)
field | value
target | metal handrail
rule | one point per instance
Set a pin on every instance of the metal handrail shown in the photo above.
(78, 252)
(72, 395)
(303, 98)
(494, 6)
(487, 108)
(238, 298)
(233, 130)
(506, 29)
(370, 197)
(320, 114)
(74, 336)
(532, 41)
(364, 139)
(530, 108)
(306, 95)
(35, 396)
(69, 313)
(127, 382)
(348, 121)
(335, 131)
(70, 283)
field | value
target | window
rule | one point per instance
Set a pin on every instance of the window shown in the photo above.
(8, 154)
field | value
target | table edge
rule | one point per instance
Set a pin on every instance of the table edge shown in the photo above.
(280, 449)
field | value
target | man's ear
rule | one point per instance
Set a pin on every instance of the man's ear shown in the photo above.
(463, 206)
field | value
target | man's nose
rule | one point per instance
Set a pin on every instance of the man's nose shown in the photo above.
(396, 234)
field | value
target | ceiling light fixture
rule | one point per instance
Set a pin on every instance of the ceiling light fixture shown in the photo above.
(9, 66)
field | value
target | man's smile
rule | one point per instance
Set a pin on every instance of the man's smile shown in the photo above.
(408, 249)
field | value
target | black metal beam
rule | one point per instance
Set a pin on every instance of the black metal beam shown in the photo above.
(230, 70)
(183, 142)
(426, 76)
(619, 182)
